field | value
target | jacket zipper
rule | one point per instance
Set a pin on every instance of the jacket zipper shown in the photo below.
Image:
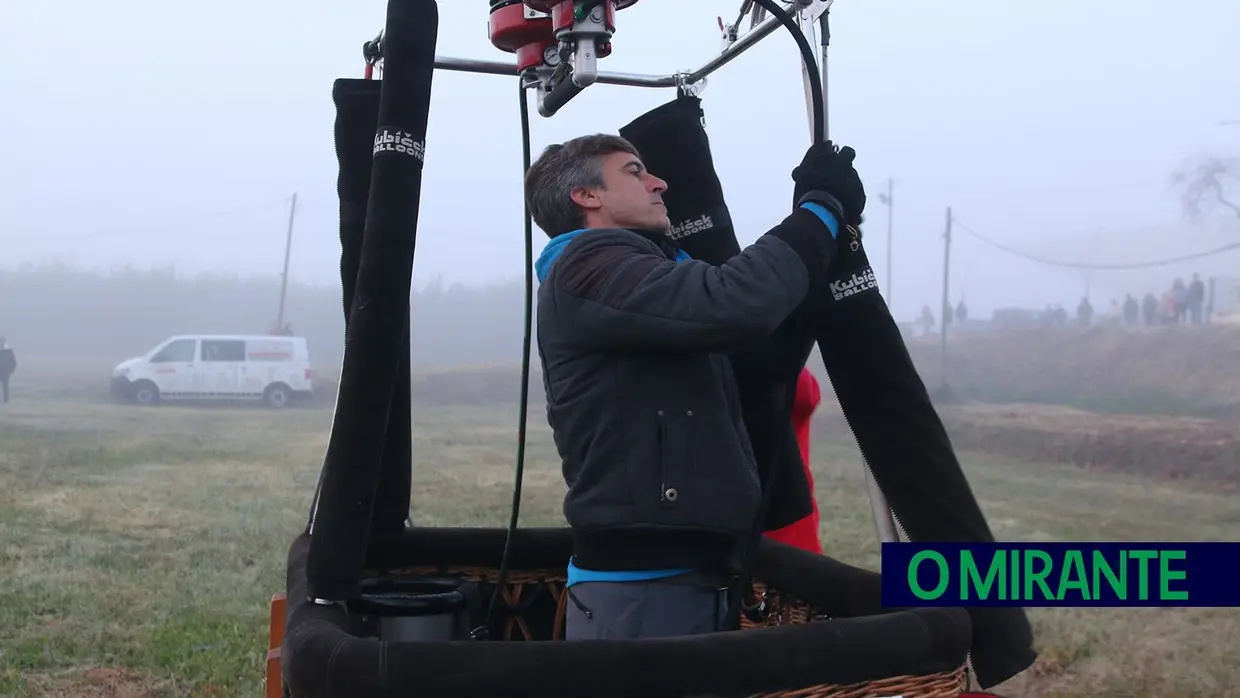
(663, 485)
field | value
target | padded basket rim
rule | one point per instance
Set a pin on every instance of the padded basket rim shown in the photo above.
(947, 684)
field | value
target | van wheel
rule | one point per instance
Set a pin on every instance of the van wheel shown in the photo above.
(144, 393)
(278, 395)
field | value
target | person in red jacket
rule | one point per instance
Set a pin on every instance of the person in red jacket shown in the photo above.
(804, 533)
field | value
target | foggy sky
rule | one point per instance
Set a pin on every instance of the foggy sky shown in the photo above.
(154, 132)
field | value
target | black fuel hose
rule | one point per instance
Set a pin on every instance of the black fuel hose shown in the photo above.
(515, 514)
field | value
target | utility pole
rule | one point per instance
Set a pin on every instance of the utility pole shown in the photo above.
(890, 214)
(288, 248)
(944, 310)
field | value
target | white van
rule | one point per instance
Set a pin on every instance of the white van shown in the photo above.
(274, 369)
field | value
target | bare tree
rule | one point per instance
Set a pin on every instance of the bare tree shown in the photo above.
(1208, 183)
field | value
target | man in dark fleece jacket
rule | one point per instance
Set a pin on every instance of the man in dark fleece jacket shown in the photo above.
(663, 488)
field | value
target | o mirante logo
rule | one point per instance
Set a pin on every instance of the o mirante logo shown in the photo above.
(1061, 574)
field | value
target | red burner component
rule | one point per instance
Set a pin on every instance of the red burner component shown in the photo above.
(512, 31)
(535, 40)
(546, 5)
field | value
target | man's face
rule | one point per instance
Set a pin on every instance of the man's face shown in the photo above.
(631, 197)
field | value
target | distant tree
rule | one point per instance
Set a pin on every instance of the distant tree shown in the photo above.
(1209, 183)
(56, 310)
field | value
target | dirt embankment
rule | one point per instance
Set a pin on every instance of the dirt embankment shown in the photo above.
(1189, 371)
(1181, 371)
(1163, 402)
(1164, 448)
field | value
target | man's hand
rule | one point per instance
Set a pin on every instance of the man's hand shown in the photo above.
(827, 176)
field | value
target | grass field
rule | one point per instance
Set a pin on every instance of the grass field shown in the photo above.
(139, 547)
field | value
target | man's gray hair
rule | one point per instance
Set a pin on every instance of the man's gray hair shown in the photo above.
(562, 168)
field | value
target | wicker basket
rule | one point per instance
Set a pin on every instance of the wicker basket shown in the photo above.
(779, 609)
(774, 608)
(948, 684)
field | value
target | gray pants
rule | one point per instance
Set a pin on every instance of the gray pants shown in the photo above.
(629, 610)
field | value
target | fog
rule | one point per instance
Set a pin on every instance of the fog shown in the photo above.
(150, 151)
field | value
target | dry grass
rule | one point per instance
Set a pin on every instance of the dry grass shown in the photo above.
(140, 547)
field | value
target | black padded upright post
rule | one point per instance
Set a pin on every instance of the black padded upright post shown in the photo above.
(905, 443)
(882, 395)
(674, 146)
(376, 344)
(357, 118)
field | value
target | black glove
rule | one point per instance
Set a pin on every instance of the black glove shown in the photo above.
(826, 176)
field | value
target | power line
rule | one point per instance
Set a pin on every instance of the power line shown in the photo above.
(1083, 265)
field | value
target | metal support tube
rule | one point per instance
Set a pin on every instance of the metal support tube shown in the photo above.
(470, 65)
(823, 72)
(752, 37)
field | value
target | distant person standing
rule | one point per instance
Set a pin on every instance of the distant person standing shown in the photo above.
(1085, 311)
(1149, 309)
(1179, 300)
(926, 320)
(8, 365)
(1131, 310)
(1196, 299)
(1169, 317)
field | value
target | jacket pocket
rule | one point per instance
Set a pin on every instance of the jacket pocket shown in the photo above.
(705, 474)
